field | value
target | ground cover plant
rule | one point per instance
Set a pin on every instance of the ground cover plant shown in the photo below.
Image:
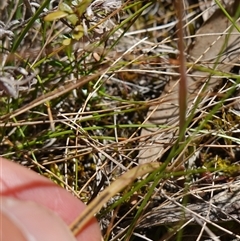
(91, 97)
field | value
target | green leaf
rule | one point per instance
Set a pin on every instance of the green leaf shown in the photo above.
(65, 8)
(67, 42)
(29, 25)
(83, 6)
(73, 19)
(55, 15)
(78, 32)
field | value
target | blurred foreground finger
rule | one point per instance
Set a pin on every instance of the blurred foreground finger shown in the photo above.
(28, 221)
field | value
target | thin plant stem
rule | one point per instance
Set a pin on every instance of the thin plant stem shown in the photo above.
(182, 96)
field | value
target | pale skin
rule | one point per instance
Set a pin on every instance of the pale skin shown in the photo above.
(47, 209)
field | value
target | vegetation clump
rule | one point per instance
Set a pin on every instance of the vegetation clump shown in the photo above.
(79, 82)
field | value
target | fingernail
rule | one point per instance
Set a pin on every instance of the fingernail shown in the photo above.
(34, 222)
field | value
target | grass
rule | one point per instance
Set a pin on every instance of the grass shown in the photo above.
(80, 123)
